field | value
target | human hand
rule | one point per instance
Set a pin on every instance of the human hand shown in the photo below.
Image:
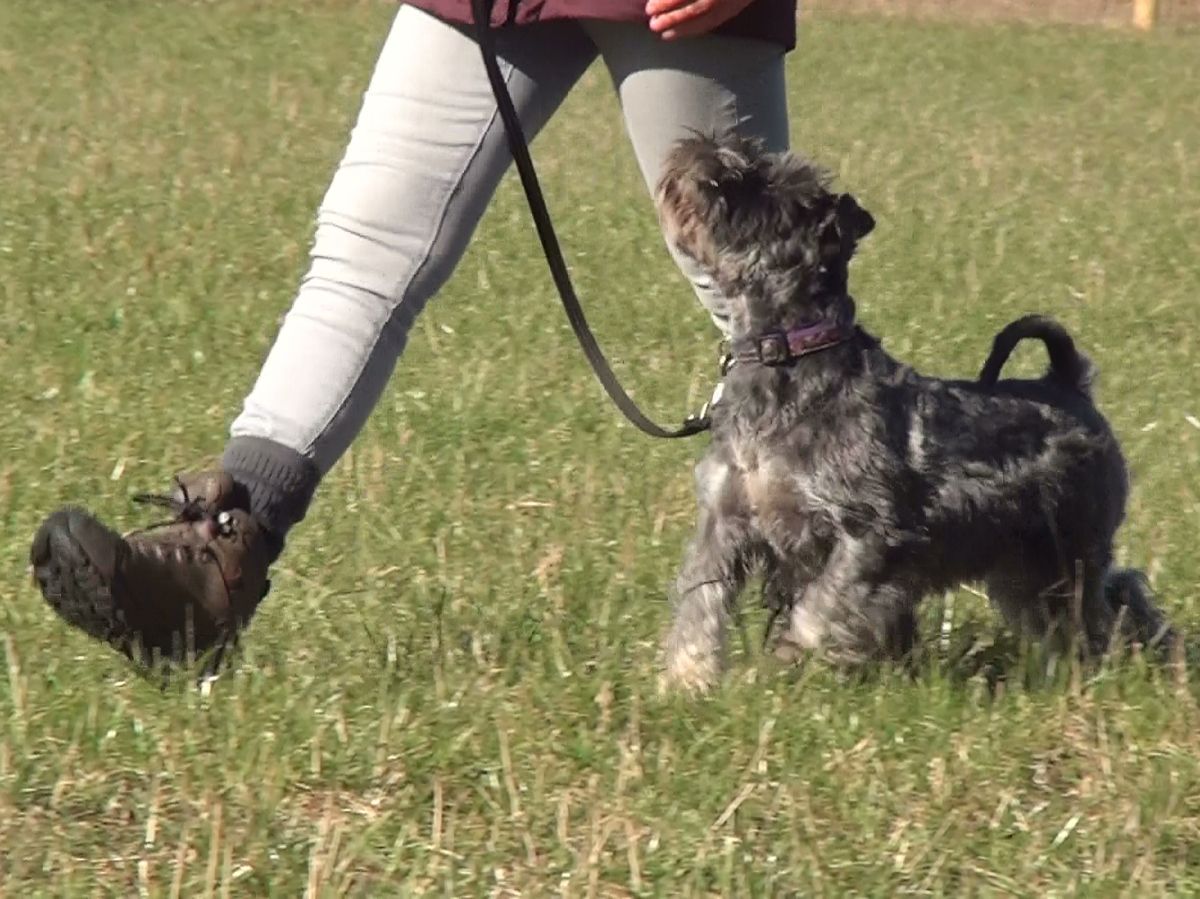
(671, 19)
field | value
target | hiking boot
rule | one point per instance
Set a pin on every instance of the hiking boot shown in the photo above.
(168, 591)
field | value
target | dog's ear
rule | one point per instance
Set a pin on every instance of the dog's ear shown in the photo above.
(853, 219)
(844, 226)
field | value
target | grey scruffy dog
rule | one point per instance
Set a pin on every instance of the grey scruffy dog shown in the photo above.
(858, 485)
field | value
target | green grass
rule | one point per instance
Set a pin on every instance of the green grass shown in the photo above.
(451, 687)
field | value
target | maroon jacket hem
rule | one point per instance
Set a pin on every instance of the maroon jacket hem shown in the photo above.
(766, 20)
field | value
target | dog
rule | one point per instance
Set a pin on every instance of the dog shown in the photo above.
(855, 484)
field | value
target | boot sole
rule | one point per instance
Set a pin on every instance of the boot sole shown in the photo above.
(70, 580)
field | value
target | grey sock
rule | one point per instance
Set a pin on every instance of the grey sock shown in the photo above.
(280, 483)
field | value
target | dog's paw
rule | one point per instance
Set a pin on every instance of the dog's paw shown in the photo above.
(689, 673)
(788, 652)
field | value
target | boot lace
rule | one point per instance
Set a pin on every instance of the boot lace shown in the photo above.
(186, 508)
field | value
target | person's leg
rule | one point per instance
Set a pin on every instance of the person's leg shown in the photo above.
(427, 153)
(710, 84)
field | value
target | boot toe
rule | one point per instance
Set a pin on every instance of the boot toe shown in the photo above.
(73, 558)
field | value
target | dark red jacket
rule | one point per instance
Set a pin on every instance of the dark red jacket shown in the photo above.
(768, 20)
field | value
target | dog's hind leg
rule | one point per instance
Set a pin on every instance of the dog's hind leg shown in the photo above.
(1128, 592)
(1057, 607)
(1031, 602)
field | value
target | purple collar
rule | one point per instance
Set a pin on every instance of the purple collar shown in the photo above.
(782, 347)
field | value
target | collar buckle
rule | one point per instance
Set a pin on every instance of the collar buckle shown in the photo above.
(773, 349)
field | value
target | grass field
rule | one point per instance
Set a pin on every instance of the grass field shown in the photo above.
(451, 687)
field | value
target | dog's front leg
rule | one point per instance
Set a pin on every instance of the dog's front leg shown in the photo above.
(713, 574)
(695, 647)
(852, 612)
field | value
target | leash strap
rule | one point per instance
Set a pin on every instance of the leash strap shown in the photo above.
(482, 13)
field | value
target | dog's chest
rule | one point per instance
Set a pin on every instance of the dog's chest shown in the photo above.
(771, 487)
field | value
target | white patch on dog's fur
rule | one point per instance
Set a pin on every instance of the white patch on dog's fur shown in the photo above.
(916, 440)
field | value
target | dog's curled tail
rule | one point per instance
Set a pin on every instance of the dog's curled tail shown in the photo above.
(1068, 366)
(1128, 589)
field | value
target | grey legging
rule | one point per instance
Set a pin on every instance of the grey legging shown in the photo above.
(425, 157)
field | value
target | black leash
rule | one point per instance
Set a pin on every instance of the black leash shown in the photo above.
(482, 13)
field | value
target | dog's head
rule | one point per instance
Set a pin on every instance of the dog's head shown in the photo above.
(765, 226)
